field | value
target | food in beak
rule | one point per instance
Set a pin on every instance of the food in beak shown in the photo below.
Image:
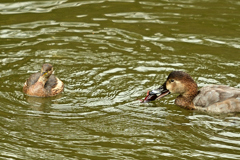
(149, 97)
(155, 94)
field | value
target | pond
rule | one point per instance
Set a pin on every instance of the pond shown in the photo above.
(109, 53)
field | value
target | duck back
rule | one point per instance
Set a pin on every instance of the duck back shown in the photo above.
(218, 98)
(211, 94)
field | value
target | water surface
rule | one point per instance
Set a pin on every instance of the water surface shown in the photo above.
(109, 54)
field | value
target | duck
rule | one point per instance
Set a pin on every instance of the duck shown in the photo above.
(210, 98)
(44, 83)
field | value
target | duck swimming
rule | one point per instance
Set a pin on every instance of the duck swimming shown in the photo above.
(43, 84)
(211, 98)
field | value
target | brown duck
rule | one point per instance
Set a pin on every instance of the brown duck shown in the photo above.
(211, 98)
(43, 84)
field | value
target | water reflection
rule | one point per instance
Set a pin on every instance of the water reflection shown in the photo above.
(42, 104)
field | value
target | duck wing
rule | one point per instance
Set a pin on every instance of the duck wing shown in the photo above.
(212, 94)
(33, 79)
(51, 83)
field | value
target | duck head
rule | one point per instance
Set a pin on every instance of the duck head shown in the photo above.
(177, 82)
(47, 70)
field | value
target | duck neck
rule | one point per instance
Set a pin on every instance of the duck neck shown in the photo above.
(42, 80)
(186, 99)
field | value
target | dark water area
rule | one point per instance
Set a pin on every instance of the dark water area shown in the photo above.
(109, 54)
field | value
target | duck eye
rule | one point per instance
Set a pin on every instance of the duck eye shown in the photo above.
(172, 80)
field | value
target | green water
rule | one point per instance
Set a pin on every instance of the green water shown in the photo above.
(109, 54)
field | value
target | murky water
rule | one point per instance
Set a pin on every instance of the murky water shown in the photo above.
(108, 54)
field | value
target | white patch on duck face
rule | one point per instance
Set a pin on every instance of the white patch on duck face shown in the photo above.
(169, 86)
(175, 87)
(180, 87)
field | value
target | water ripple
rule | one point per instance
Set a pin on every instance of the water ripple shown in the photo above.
(109, 54)
(39, 7)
